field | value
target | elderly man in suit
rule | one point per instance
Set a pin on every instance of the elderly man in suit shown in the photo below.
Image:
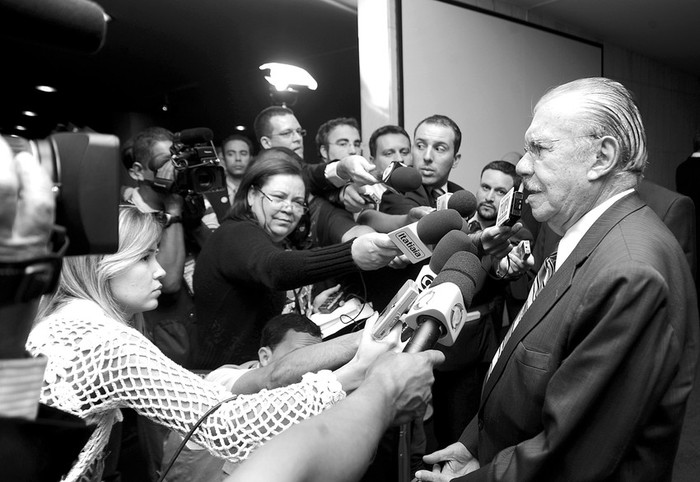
(592, 381)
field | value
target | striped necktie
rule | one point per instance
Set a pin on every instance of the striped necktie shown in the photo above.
(436, 193)
(543, 275)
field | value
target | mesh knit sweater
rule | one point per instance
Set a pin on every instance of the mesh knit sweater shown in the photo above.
(240, 282)
(97, 365)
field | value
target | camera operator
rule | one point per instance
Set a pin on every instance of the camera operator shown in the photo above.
(188, 219)
(27, 270)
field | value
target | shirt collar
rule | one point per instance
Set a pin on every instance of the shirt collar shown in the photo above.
(576, 232)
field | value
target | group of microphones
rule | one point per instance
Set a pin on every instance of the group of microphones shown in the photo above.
(436, 304)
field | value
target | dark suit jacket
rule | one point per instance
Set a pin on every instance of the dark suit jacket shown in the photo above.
(396, 204)
(593, 383)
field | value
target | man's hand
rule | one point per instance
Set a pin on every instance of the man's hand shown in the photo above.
(407, 377)
(455, 459)
(27, 206)
(515, 264)
(373, 251)
(495, 240)
(356, 169)
(417, 213)
(352, 199)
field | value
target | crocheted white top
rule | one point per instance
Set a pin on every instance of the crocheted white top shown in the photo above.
(97, 365)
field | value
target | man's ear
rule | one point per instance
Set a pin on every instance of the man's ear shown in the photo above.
(606, 159)
(264, 355)
(136, 171)
(323, 150)
(265, 142)
(456, 161)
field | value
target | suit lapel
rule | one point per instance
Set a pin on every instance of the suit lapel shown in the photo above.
(561, 282)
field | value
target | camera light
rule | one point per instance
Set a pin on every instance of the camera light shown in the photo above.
(45, 88)
(240, 128)
(29, 113)
(284, 76)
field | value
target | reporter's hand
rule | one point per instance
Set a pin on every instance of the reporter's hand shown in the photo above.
(357, 169)
(513, 265)
(495, 240)
(323, 296)
(399, 262)
(417, 213)
(408, 378)
(455, 459)
(352, 199)
(27, 206)
(373, 251)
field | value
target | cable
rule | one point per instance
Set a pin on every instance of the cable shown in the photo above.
(189, 435)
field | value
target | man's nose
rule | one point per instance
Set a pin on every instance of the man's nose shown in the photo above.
(428, 154)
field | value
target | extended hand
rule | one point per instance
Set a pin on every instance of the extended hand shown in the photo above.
(455, 459)
(356, 169)
(408, 378)
(373, 251)
(495, 240)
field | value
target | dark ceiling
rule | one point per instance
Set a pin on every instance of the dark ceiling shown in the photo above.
(201, 57)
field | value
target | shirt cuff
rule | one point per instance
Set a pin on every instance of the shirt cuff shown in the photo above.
(20, 386)
(331, 174)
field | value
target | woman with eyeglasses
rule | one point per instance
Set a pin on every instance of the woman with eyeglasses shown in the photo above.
(245, 269)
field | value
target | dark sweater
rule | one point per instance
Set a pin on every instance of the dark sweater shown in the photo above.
(240, 282)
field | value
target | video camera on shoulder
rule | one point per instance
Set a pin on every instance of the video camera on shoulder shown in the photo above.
(84, 168)
(197, 168)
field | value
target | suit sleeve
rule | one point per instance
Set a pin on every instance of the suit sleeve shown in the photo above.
(679, 219)
(623, 352)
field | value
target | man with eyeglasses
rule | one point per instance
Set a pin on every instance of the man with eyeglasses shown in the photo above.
(592, 380)
(277, 126)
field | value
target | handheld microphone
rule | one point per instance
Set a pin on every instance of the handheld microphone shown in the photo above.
(403, 179)
(451, 243)
(413, 239)
(196, 135)
(464, 202)
(439, 313)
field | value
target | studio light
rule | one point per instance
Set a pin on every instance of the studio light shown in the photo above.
(286, 81)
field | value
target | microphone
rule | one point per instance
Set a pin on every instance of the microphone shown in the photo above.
(451, 243)
(196, 135)
(464, 202)
(74, 25)
(403, 179)
(413, 239)
(439, 313)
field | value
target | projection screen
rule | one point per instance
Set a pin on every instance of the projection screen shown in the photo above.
(483, 70)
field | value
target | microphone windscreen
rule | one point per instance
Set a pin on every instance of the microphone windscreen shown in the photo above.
(433, 226)
(404, 179)
(452, 242)
(464, 270)
(464, 202)
(196, 135)
(75, 25)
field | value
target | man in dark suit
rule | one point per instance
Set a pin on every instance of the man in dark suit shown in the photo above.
(436, 143)
(592, 381)
(687, 175)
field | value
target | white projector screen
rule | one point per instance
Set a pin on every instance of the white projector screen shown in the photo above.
(485, 72)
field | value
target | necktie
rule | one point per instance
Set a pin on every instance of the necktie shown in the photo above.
(474, 226)
(543, 275)
(436, 193)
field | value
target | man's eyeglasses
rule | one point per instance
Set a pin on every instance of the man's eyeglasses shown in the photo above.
(279, 202)
(536, 147)
(290, 132)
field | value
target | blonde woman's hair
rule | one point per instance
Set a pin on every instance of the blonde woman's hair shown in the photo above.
(88, 277)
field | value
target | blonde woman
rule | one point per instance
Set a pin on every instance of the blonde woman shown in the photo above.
(98, 362)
